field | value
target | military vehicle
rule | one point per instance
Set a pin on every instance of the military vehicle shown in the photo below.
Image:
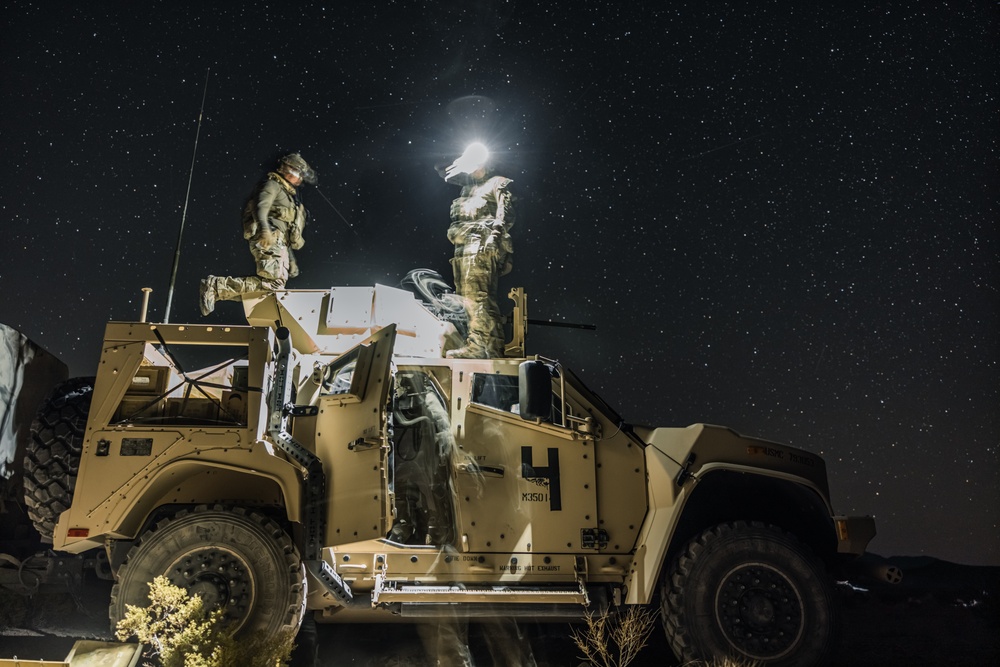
(327, 458)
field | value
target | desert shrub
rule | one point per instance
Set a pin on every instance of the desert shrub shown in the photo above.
(257, 651)
(181, 632)
(614, 640)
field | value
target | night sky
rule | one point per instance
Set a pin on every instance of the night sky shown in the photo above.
(781, 216)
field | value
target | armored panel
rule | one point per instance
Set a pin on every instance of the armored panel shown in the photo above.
(350, 310)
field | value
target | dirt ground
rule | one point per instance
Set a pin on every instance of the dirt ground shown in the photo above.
(876, 633)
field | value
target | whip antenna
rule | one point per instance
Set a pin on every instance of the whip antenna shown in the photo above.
(187, 196)
(327, 199)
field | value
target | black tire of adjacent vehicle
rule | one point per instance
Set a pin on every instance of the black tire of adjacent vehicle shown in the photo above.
(751, 591)
(53, 456)
(235, 558)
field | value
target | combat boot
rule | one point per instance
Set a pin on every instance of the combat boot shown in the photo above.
(206, 295)
(468, 352)
(475, 348)
(496, 348)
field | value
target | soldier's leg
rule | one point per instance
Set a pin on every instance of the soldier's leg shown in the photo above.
(272, 274)
(484, 314)
(272, 264)
(446, 641)
(493, 309)
(468, 288)
(461, 265)
(231, 288)
(459, 268)
(507, 642)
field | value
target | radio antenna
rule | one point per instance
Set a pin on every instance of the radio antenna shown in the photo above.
(187, 196)
(349, 225)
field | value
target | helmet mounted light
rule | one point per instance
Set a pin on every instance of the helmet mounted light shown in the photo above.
(474, 158)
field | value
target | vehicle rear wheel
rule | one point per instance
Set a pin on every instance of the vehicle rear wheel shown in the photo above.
(750, 591)
(53, 456)
(234, 558)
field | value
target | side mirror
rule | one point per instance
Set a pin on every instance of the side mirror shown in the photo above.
(534, 381)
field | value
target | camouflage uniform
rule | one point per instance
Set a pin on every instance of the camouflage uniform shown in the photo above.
(275, 207)
(482, 216)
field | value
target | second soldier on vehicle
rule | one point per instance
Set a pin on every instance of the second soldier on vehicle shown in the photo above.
(273, 220)
(481, 218)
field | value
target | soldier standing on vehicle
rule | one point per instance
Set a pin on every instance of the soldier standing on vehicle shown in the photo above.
(273, 220)
(481, 218)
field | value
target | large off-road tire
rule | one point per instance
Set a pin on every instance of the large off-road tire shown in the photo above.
(749, 591)
(234, 558)
(53, 457)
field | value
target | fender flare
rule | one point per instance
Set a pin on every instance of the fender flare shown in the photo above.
(126, 514)
(670, 504)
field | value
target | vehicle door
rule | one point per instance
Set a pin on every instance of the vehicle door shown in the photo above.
(351, 438)
(526, 486)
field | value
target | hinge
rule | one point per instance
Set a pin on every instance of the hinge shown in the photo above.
(685, 471)
(363, 444)
(291, 410)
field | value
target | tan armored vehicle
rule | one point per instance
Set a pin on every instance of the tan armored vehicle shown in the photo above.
(327, 459)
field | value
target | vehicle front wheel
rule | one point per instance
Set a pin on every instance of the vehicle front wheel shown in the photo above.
(234, 558)
(751, 591)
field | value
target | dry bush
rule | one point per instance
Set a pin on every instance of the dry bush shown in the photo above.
(614, 641)
(181, 632)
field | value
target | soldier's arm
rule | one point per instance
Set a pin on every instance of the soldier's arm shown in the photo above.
(505, 204)
(265, 199)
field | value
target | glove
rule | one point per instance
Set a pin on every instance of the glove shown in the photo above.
(265, 239)
(492, 241)
(295, 239)
(250, 229)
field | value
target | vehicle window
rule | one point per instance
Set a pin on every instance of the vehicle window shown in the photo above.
(166, 394)
(338, 377)
(496, 391)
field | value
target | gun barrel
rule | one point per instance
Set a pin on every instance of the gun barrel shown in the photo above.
(565, 325)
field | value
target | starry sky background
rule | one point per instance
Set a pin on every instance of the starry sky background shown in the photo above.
(781, 217)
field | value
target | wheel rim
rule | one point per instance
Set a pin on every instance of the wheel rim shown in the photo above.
(760, 611)
(221, 578)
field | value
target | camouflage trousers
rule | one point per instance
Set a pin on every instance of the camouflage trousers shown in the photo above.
(476, 271)
(275, 266)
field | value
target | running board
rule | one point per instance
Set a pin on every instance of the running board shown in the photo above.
(388, 592)
(452, 611)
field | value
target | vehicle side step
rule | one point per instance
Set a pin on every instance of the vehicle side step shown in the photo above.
(332, 581)
(452, 611)
(388, 591)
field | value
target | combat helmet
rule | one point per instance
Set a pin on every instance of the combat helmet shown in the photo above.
(296, 163)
